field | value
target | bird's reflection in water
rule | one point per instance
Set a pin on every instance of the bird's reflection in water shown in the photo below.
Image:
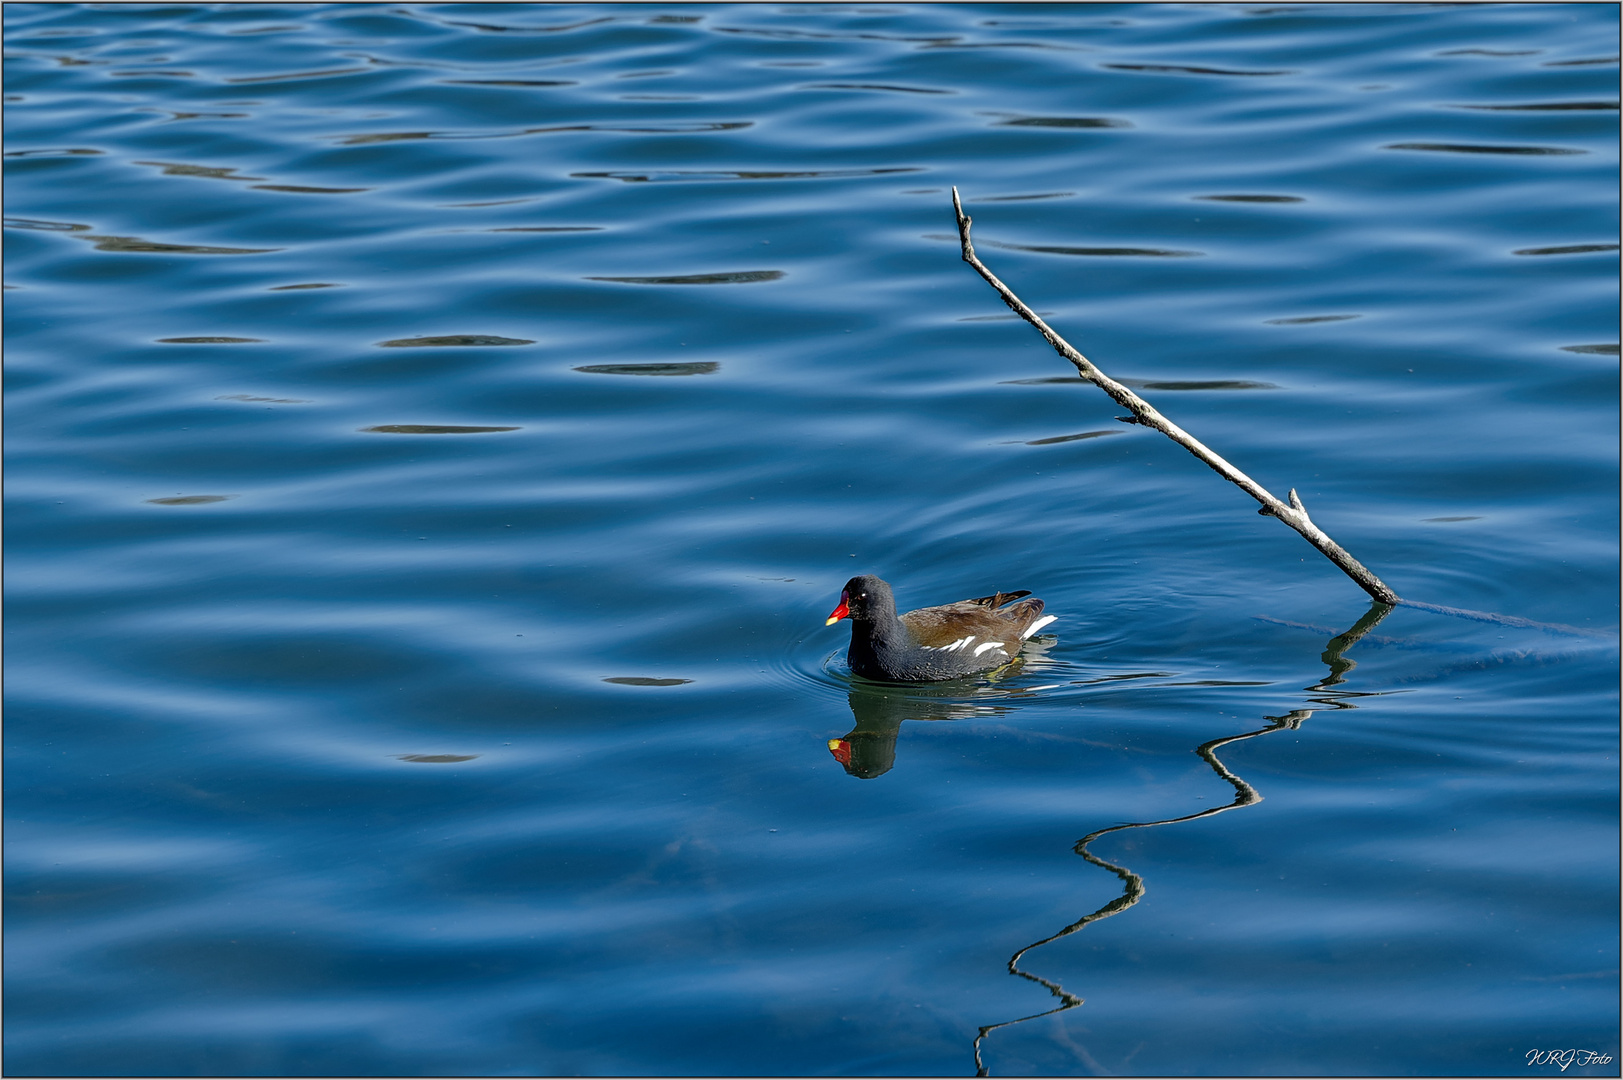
(869, 749)
(1244, 795)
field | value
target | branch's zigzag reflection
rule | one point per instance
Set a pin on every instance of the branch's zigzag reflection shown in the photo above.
(1244, 795)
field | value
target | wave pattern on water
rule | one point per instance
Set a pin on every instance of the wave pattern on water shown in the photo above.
(416, 591)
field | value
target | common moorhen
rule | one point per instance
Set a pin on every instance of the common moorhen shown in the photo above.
(933, 643)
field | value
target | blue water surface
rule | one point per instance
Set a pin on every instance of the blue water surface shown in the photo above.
(435, 434)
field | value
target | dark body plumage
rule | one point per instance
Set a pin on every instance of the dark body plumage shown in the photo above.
(934, 643)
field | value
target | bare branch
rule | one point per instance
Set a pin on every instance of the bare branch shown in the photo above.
(1292, 514)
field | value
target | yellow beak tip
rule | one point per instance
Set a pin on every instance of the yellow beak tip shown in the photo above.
(831, 622)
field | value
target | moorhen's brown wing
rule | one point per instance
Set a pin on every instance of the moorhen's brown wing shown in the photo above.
(937, 627)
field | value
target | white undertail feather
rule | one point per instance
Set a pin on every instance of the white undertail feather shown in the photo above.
(1038, 625)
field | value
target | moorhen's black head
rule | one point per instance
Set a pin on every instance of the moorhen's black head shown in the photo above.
(864, 599)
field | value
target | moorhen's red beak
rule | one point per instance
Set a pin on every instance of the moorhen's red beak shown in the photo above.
(841, 750)
(840, 612)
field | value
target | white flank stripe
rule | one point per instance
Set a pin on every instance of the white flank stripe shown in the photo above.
(1038, 625)
(989, 645)
(965, 642)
